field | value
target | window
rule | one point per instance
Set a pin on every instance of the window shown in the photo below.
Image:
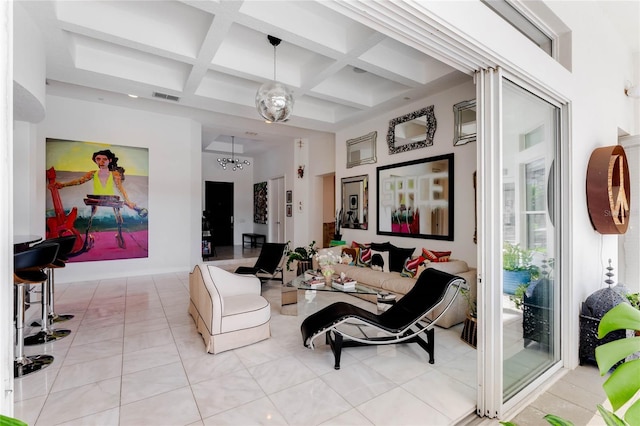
(514, 15)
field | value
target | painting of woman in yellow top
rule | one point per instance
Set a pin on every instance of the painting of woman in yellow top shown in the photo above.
(104, 179)
(106, 182)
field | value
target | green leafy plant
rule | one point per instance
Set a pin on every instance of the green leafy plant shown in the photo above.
(10, 421)
(516, 258)
(305, 253)
(518, 297)
(623, 382)
(472, 307)
(634, 299)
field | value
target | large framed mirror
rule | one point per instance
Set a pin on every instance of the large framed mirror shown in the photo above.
(412, 131)
(355, 202)
(415, 199)
(361, 150)
(464, 114)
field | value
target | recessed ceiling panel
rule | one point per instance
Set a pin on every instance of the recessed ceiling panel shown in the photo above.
(310, 20)
(319, 109)
(117, 61)
(174, 27)
(249, 53)
(216, 85)
(364, 89)
(405, 61)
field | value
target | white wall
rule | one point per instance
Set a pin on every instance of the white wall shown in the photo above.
(175, 180)
(462, 246)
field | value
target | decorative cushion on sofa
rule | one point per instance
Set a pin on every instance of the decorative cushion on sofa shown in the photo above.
(364, 255)
(387, 246)
(380, 260)
(351, 252)
(397, 256)
(436, 256)
(410, 266)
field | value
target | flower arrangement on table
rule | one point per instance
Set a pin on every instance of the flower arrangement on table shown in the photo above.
(326, 262)
(302, 254)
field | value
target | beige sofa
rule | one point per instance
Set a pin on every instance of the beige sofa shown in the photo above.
(393, 282)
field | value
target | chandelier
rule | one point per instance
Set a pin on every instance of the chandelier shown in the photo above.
(234, 162)
(274, 100)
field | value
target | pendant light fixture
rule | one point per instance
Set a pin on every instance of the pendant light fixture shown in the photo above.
(274, 100)
(235, 163)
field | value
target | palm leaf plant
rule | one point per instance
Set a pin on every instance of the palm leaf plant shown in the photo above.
(624, 382)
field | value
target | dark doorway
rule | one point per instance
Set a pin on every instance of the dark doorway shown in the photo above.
(219, 209)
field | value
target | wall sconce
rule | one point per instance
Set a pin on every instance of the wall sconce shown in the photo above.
(300, 171)
(631, 90)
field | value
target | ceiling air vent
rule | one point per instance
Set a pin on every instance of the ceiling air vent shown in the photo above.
(165, 96)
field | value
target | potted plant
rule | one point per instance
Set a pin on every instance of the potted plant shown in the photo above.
(518, 267)
(304, 256)
(470, 327)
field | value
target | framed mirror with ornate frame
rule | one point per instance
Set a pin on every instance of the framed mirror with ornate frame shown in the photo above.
(412, 131)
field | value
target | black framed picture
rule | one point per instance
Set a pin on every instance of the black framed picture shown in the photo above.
(415, 198)
(289, 197)
(289, 210)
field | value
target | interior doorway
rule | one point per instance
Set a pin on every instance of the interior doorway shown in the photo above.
(219, 212)
(277, 200)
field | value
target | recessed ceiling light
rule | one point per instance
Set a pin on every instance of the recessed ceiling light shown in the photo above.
(132, 96)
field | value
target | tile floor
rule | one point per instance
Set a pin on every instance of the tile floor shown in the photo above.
(134, 358)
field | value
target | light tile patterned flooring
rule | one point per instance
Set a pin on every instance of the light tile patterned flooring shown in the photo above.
(134, 358)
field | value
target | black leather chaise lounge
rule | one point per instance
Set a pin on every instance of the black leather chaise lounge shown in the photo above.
(269, 263)
(403, 322)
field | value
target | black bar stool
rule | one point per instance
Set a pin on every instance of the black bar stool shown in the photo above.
(28, 269)
(66, 245)
(46, 333)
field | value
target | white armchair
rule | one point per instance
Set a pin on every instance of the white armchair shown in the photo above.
(227, 308)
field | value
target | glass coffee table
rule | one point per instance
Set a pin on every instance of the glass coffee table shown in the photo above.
(291, 289)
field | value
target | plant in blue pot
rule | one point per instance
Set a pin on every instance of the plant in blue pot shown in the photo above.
(518, 268)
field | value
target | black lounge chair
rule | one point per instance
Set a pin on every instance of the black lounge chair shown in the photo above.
(269, 263)
(403, 322)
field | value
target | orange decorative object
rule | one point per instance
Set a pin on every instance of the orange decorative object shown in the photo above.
(608, 191)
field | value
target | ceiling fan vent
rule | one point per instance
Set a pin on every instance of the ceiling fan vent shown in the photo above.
(165, 96)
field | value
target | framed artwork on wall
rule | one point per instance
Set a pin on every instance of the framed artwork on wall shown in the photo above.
(415, 198)
(89, 198)
(289, 197)
(289, 210)
(260, 202)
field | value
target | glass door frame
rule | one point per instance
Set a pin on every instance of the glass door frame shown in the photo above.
(489, 95)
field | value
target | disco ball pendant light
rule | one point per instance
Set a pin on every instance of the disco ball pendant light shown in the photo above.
(274, 100)
(233, 162)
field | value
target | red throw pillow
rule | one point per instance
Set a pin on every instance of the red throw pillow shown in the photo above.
(436, 256)
(411, 266)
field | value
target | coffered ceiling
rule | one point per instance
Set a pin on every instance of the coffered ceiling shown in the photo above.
(206, 60)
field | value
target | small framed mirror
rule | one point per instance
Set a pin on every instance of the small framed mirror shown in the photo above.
(362, 150)
(355, 202)
(465, 125)
(412, 131)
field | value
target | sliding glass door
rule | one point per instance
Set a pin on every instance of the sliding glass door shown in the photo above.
(520, 239)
